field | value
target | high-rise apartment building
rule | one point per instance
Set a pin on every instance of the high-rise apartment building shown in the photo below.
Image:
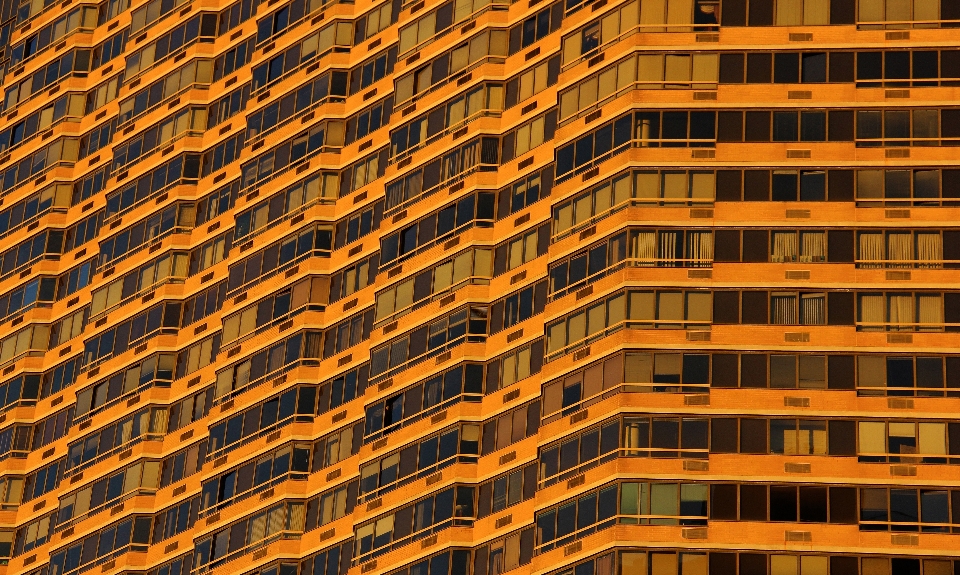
(473, 287)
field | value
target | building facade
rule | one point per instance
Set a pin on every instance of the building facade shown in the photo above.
(470, 287)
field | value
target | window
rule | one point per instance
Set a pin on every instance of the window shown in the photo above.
(182, 464)
(510, 427)
(520, 249)
(461, 383)
(314, 241)
(532, 81)
(283, 355)
(150, 13)
(321, 187)
(587, 265)
(907, 442)
(517, 307)
(369, 120)
(454, 506)
(661, 309)
(373, 70)
(296, 404)
(278, 521)
(909, 509)
(481, 154)
(347, 333)
(155, 370)
(286, 17)
(784, 503)
(68, 106)
(210, 253)
(354, 277)
(141, 478)
(435, 73)
(362, 172)
(649, 129)
(529, 135)
(460, 443)
(514, 366)
(698, 71)
(486, 99)
(158, 320)
(473, 210)
(305, 295)
(268, 469)
(535, 27)
(145, 424)
(802, 12)
(905, 127)
(131, 534)
(198, 355)
(507, 490)
(898, 375)
(905, 311)
(375, 20)
(195, 72)
(579, 452)
(469, 267)
(624, 503)
(198, 28)
(892, 14)
(333, 37)
(168, 268)
(677, 187)
(903, 249)
(525, 192)
(227, 106)
(176, 218)
(84, 18)
(342, 389)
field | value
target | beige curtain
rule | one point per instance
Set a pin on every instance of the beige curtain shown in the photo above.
(899, 11)
(930, 312)
(930, 249)
(653, 12)
(871, 250)
(816, 12)
(900, 312)
(784, 247)
(650, 71)
(679, 12)
(789, 12)
(900, 250)
(813, 247)
(871, 312)
(927, 12)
